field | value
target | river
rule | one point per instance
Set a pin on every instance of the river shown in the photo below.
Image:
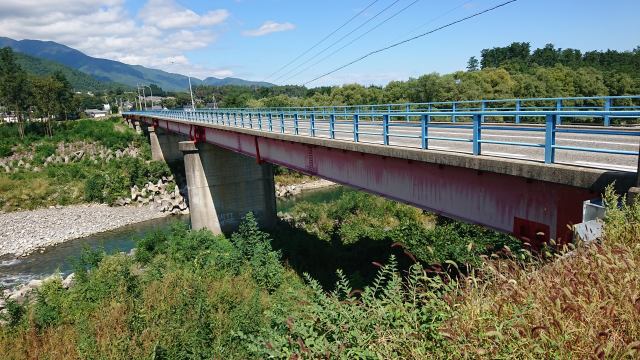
(59, 258)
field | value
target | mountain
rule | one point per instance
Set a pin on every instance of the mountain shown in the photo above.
(110, 70)
(79, 80)
(212, 81)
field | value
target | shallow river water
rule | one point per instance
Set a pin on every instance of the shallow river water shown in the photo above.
(59, 258)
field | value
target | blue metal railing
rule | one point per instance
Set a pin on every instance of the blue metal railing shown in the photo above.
(373, 126)
(595, 103)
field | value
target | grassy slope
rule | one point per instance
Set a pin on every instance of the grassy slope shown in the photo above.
(63, 184)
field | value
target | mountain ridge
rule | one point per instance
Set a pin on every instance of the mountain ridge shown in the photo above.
(107, 70)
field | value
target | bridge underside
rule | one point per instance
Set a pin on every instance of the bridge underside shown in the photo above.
(530, 209)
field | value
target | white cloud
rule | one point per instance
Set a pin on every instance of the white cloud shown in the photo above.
(166, 14)
(269, 27)
(158, 36)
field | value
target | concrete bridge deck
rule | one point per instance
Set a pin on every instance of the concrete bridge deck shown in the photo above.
(478, 178)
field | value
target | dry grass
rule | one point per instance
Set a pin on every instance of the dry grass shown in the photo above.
(584, 305)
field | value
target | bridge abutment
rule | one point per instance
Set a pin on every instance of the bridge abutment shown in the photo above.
(224, 186)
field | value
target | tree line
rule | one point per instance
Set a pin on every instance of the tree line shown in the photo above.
(513, 71)
(33, 97)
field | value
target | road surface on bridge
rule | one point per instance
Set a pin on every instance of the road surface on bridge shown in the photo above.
(409, 136)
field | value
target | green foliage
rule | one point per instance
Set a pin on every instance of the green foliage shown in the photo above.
(43, 151)
(394, 317)
(14, 312)
(94, 188)
(47, 310)
(6, 150)
(255, 247)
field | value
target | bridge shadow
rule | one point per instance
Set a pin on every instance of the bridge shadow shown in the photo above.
(306, 253)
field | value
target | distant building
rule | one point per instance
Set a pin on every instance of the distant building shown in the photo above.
(95, 113)
(106, 107)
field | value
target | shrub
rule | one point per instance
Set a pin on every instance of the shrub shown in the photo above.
(255, 247)
(94, 188)
(394, 317)
(43, 151)
(6, 150)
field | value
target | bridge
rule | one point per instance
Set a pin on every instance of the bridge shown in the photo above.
(521, 166)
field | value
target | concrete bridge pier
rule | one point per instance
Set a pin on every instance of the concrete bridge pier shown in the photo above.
(138, 127)
(224, 186)
(164, 146)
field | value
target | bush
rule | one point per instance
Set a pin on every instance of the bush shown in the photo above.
(255, 247)
(94, 188)
(393, 318)
(43, 151)
(6, 150)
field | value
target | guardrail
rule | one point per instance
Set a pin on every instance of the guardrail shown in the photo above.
(377, 127)
(593, 103)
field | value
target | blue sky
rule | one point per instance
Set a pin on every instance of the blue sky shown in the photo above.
(232, 37)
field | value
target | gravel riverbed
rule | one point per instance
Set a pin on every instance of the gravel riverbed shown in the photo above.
(24, 232)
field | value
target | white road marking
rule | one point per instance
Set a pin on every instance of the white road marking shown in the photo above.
(607, 166)
(502, 154)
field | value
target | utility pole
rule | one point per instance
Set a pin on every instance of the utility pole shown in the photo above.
(151, 91)
(193, 103)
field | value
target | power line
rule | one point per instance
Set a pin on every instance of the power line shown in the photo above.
(337, 41)
(323, 39)
(354, 40)
(410, 39)
(461, 4)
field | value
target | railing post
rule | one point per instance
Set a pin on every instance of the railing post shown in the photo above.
(558, 108)
(483, 107)
(332, 126)
(356, 119)
(607, 107)
(477, 134)
(235, 119)
(550, 139)
(250, 121)
(242, 119)
(385, 129)
(408, 108)
(228, 119)
(282, 123)
(426, 119)
(518, 109)
(270, 120)
(453, 111)
(260, 121)
(295, 123)
(312, 126)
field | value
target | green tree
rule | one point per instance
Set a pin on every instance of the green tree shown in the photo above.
(64, 94)
(473, 64)
(14, 87)
(45, 91)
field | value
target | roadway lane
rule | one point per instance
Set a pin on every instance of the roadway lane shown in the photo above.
(409, 136)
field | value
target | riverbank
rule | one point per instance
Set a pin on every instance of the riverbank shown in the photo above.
(287, 190)
(24, 232)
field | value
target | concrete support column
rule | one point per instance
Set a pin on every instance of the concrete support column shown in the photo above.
(224, 186)
(201, 206)
(138, 127)
(156, 150)
(130, 123)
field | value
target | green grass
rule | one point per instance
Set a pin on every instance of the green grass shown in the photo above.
(77, 182)
(193, 295)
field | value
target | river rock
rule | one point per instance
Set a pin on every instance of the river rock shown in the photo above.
(69, 281)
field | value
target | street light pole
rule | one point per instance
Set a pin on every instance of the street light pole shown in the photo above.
(193, 103)
(151, 91)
